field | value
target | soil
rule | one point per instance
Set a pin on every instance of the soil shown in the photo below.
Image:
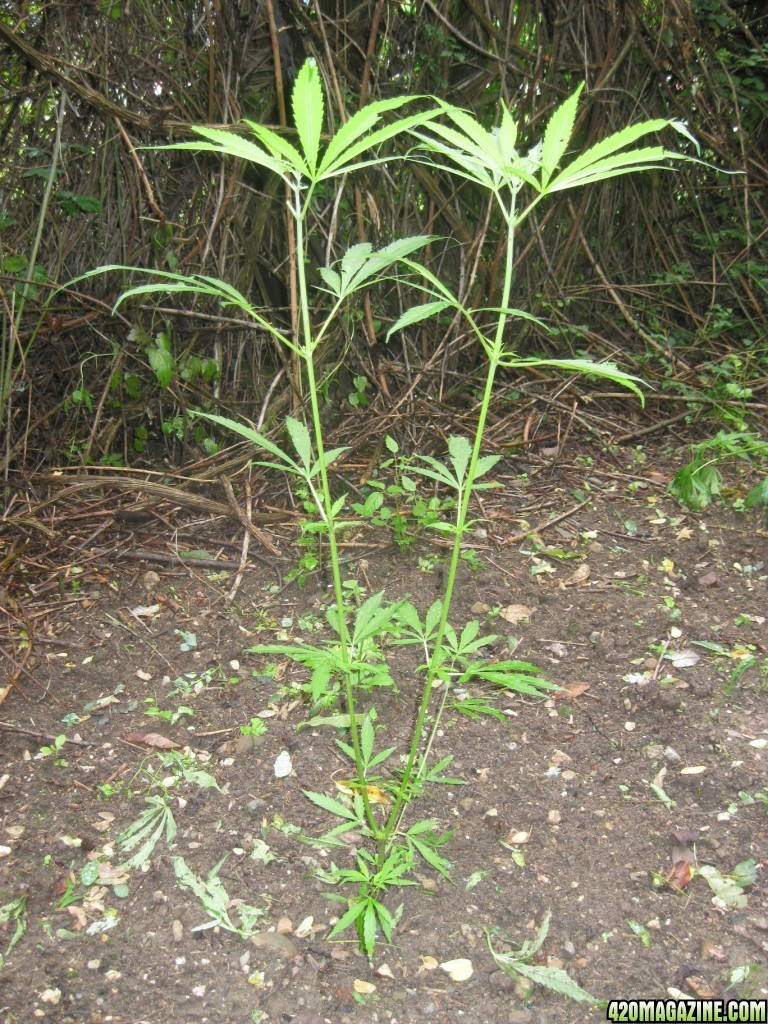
(601, 803)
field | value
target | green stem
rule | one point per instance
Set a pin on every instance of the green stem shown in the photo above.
(307, 349)
(496, 352)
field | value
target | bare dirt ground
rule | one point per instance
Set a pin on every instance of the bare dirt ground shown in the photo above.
(633, 805)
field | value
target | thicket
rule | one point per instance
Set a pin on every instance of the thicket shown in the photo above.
(665, 274)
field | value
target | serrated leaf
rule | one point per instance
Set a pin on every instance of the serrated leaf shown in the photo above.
(552, 978)
(416, 314)
(288, 464)
(231, 144)
(432, 857)
(507, 137)
(557, 135)
(484, 464)
(331, 279)
(758, 495)
(301, 441)
(367, 736)
(329, 804)
(357, 135)
(308, 107)
(362, 262)
(347, 919)
(460, 451)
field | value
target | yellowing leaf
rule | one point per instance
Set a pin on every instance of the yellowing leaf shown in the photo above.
(375, 795)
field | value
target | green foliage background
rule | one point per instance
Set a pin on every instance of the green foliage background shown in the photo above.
(665, 273)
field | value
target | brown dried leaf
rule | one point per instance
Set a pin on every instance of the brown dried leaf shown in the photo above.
(712, 951)
(701, 988)
(152, 739)
(515, 613)
(570, 690)
(580, 576)
(679, 875)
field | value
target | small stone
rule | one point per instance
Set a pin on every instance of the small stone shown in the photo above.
(520, 1017)
(272, 942)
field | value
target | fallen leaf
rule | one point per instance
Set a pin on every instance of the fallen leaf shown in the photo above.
(458, 970)
(515, 613)
(580, 576)
(375, 795)
(701, 987)
(695, 769)
(679, 876)
(570, 690)
(712, 951)
(363, 988)
(152, 739)
(80, 921)
(684, 659)
(111, 874)
(428, 963)
(145, 611)
(518, 838)
(385, 971)
(305, 928)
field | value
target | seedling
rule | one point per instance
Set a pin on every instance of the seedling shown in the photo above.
(700, 482)
(15, 911)
(256, 727)
(166, 714)
(54, 749)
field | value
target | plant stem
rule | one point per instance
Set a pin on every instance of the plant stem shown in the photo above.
(307, 349)
(496, 351)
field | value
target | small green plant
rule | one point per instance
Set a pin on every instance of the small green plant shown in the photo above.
(54, 750)
(353, 662)
(744, 658)
(700, 481)
(358, 398)
(15, 911)
(730, 890)
(154, 822)
(167, 714)
(398, 505)
(255, 727)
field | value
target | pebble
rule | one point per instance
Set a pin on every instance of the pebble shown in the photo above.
(273, 942)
